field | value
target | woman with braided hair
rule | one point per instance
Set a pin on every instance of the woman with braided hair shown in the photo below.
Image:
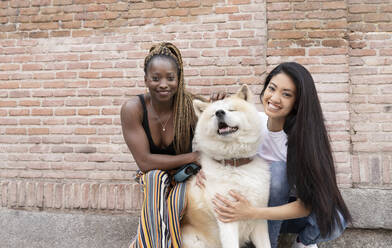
(158, 129)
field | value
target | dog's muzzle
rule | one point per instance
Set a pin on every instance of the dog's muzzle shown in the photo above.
(223, 128)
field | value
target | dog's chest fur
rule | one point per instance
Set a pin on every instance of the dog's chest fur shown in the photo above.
(251, 180)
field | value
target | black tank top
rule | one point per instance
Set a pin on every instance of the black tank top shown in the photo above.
(153, 148)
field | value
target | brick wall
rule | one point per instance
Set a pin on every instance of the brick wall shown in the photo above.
(66, 66)
(313, 33)
(370, 43)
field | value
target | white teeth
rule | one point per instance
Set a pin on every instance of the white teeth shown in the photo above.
(273, 106)
(227, 130)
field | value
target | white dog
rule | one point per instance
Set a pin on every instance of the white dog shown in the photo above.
(228, 134)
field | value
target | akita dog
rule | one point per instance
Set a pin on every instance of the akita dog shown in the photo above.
(228, 135)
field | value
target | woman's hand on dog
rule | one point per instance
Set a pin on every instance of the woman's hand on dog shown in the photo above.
(215, 96)
(200, 178)
(229, 211)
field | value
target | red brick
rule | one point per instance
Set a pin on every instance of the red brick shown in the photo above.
(112, 92)
(74, 25)
(239, 52)
(18, 112)
(239, 71)
(252, 42)
(362, 52)
(286, 52)
(7, 103)
(41, 112)
(376, 18)
(286, 35)
(239, 2)
(227, 43)
(9, 85)
(242, 34)
(224, 81)
(9, 67)
(62, 2)
(32, 67)
(363, 27)
(77, 65)
(29, 103)
(362, 8)
(44, 75)
(358, 44)
(88, 92)
(35, 35)
(82, 33)
(86, 131)
(308, 25)
(326, 34)
(386, 27)
(88, 111)
(189, 4)
(240, 17)
(177, 12)
(327, 14)
(278, 6)
(112, 74)
(38, 131)
(200, 11)
(226, 10)
(110, 111)
(20, 3)
(165, 4)
(280, 26)
(15, 131)
(229, 26)
(334, 43)
(60, 33)
(202, 44)
(334, 5)
(7, 121)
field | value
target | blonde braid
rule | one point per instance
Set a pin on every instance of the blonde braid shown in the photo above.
(184, 115)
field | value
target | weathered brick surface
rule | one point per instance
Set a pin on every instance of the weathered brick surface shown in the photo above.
(370, 77)
(67, 66)
(313, 33)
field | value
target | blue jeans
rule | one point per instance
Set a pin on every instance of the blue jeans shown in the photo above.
(306, 228)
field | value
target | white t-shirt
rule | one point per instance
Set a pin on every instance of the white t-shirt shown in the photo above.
(274, 145)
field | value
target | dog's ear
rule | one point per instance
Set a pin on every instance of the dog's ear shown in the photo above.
(199, 106)
(245, 93)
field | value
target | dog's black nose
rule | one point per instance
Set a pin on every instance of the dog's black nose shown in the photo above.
(220, 113)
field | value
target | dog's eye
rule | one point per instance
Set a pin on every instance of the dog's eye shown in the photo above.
(232, 110)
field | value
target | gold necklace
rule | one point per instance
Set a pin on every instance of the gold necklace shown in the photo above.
(159, 119)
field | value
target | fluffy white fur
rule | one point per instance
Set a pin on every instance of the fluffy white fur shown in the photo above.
(200, 227)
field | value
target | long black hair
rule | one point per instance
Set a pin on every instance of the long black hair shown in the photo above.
(310, 165)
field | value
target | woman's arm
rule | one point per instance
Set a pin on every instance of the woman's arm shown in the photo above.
(241, 209)
(137, 142)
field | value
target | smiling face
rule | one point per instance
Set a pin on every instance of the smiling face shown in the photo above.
(279, 97)
(162, 78)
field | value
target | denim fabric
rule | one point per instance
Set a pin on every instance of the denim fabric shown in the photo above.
(279, 195)
(306, 227)
(308, 231)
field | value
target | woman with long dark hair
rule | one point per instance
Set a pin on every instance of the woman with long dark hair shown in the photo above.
(298, 148)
